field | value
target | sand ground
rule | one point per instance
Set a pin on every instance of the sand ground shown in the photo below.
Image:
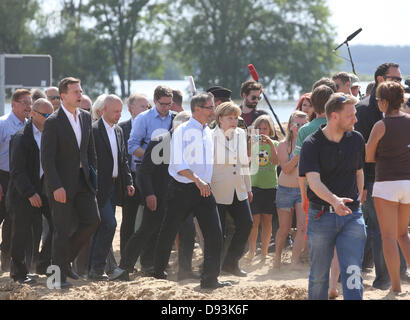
(262, 283)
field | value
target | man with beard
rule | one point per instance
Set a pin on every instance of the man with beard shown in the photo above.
(251, 94)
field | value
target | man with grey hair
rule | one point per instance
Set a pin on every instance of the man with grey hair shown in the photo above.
(54, 97)
(189, 191)
(114, 179)
(342, 81)
(97, 107)
(25, 196)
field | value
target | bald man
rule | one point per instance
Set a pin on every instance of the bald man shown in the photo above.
(114, 181)
(25, 197)
(86, 103)
(53, 96)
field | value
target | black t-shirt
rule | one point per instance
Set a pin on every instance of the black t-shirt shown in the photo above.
(337, 163)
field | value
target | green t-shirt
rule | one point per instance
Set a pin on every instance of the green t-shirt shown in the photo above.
(266, 177)
(306, 130)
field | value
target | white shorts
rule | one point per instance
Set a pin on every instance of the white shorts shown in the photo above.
(396, 191)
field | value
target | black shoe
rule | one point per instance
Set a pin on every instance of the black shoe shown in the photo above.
(188, 275)
(65, 285)
(216, 284)
(92, 275)
(72, 274)
(235, 270)
(405, 276)
(5, 262)
(119, 274)
(147, 272)
(41, 271)
(382, 286)
(26, 280)
(160, 275)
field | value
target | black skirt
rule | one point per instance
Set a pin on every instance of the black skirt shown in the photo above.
(263, 201)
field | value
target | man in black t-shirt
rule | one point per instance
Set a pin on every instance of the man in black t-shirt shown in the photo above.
(332, 160)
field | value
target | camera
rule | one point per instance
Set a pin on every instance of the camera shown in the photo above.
(259, 138)
(407, 87)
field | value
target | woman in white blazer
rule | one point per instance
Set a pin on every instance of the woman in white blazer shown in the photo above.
(231, 183)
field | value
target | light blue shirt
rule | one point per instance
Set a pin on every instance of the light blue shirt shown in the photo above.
(147, 125)
(9, 125)
(192, 148)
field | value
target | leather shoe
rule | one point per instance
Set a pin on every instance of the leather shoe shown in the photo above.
(188, 275)
(5, 261)
(216, 284)
(160, 275)
(92, 275)
(119, 274)
(72, 274)
(26, 280)
(382, 286)
(235, 270)
(65, 285)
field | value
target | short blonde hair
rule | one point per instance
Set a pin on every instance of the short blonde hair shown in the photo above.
(225, 109)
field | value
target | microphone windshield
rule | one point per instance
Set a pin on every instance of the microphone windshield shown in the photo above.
(253, 72)
(192, 84)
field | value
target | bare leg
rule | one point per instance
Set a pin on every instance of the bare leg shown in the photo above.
(253, 236)
(334, 276)
(285, 221)
(402, 232)
(387, 215)
(266, 233)
(299, 243)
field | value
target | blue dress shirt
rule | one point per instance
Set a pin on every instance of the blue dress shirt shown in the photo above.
(9, 125)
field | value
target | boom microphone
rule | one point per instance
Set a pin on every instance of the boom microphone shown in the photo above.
(192, 85)
(253, 72)
(349, 38)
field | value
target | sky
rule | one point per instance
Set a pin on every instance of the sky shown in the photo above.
(384, 22)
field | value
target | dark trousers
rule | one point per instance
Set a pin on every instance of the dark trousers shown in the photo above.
(242, 217)
(103, 237)
(66, 242)
(182, 200)
(186, 245)
(5, 217)
(44, 257)
(129, 214)
(23, 217)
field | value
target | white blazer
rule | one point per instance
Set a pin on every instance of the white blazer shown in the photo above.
(231, 167)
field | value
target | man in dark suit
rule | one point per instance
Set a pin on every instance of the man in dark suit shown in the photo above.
(25, 198)
(136, 103)
(69, 161)
(114, 179)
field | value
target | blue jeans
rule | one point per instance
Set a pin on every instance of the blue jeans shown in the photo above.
(348, 234)
(382, 274)
(103, 237)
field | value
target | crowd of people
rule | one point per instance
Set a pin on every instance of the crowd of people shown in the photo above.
(216, 174)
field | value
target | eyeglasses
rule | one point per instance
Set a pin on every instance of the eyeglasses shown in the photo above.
(207, 107)
(298, 125)
(25, 103)
(395, 79)
(252, 98)
(53, 97)
(45, 115)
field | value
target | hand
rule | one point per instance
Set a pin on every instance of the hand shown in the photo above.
(340, 206)
(363, 197)
(1, 192)
(60, 195)
(266, 139)
(35, 200)
(250, 196)
(131, 190)
(151, 201)
(203, 188)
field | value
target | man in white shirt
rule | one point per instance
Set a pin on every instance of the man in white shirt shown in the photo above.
(114, 181)
(190, 167)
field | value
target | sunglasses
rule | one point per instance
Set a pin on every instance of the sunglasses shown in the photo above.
(298, 125)
(252, 98)
(53, 97)
(45, 115)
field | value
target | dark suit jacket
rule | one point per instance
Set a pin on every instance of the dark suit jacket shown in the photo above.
(60, 155)
(105, 163)
(154, 177)
(126, 129)
(24, 167)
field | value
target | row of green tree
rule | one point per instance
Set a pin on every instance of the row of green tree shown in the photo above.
(289, 41)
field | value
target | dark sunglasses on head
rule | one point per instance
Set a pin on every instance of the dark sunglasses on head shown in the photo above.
(53, 97)
(256, 98)
(45, 115)
(341, 99)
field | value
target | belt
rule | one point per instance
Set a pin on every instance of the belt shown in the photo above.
(328, 208)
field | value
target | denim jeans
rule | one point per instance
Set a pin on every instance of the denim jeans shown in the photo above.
(103, 237)
(348, 234)
(382, 274)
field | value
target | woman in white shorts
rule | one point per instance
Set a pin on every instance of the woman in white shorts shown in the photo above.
(389, 147)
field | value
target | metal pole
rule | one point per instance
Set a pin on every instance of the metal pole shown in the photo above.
(2, 85)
